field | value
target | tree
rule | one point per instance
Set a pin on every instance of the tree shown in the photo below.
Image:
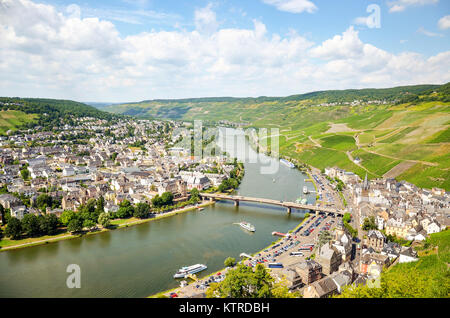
(369, 224)
(142, 210)
(30, 225)
(89, 224)
(48, 224)
(25, 174)
(242, 282)
(347, 218)
(230, 262)
(195, 195)
(104, 219)
(100, 208)
(14, 228)
(156, 201)
(125, 210)
(167, 198)
(324, 238)
(67, 216)
(75, 225)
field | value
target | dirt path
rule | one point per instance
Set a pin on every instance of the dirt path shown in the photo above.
(315, 142)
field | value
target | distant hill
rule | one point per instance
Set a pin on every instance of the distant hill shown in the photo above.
(48, 112)
(231, 108)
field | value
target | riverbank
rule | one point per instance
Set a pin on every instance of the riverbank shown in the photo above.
(176, 290)
(31, 242)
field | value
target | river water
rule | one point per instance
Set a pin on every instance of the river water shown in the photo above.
(140, 260)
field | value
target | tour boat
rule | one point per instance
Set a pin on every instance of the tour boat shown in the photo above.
(189, 270)
(247, 226)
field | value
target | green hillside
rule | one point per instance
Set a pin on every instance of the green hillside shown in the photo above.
(14, 119)
(406, 136)
(27, 112)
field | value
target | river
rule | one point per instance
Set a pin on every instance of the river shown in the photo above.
(140, 260)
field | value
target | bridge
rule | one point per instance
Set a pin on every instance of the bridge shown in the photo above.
(288, 205)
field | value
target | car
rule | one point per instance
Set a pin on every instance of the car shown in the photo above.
(173, 295)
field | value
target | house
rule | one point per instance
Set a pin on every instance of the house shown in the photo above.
(342, 241)
(408, 255)
(293, 279)
(323, 288)
(370, 259)
(433, 227)
(330, 258)
(19, 211)
(309, 271)
(375, 239)
(397, 228)
(8, 201)
(342, 279)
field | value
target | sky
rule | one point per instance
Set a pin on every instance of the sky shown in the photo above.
(133, 50)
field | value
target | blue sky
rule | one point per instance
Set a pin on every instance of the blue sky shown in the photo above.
(216, 48)
(398, 32)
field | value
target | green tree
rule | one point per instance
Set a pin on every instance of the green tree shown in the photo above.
(230, 262)
(126, 210)
(347, 218)
(167, 198)
(75, 225)
(30, 225)
(14, 228)
(242, 282)
(369, 224)
(104, 219)
(67, 216)
(48, 224)
(89, 224)
(324, 238)
(142, 210)
(25, 174)
(195, 195)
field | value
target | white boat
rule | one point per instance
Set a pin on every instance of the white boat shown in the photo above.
(184, 272)
(305, 189)
(247, 226)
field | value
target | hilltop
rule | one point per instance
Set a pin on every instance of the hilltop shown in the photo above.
(19, 113)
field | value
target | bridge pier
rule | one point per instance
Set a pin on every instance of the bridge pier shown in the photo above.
(236, 202)
(289, 210)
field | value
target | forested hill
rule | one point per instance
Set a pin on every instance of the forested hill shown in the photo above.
(215, 106)
(49, 112)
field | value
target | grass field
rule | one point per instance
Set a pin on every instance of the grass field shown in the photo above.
(13, 119)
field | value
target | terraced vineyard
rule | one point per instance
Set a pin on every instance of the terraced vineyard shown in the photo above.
(13, 119)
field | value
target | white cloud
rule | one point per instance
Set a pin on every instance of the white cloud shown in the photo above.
(428, 33)
(444, 22)
(401, 5)
(293, 6)
(53, 54)
(205, 19)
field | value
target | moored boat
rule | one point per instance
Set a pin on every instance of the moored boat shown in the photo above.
(184, 272)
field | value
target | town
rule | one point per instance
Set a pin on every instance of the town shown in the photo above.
(112, 170)
(125, 164)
